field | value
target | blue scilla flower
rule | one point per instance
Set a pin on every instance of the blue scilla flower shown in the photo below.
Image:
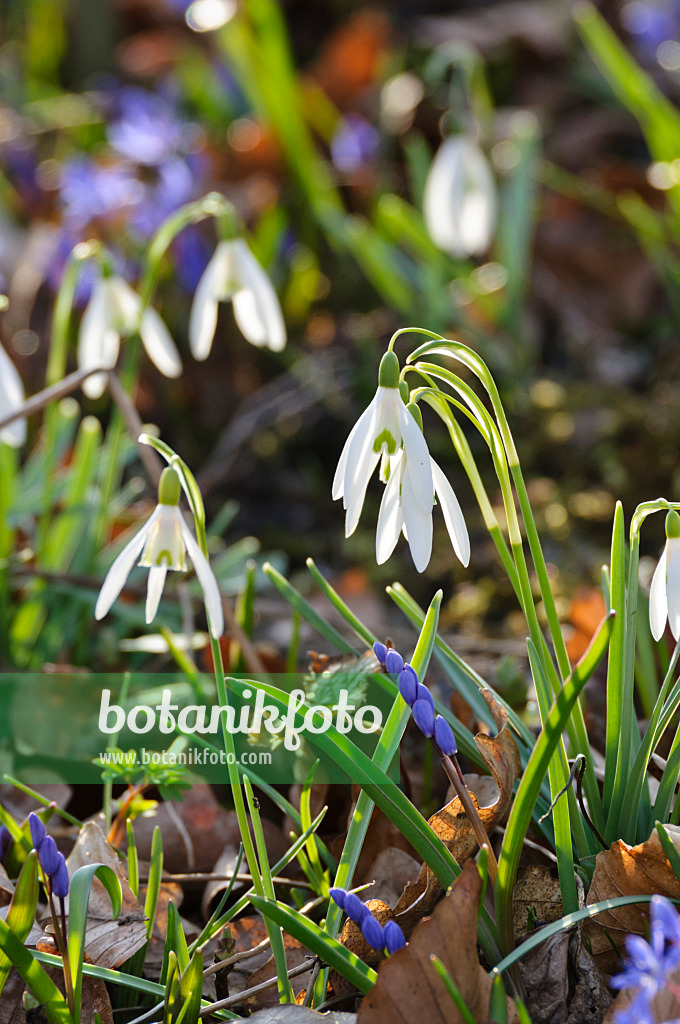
(648, 964)
(355, 144)
(60, 879)
(394, 937)
(380, 651)
(651, 23)
(48, 856)
(355, 909)
(37, 830)
(424, 694)
(5, 841)
(394, 662)
(408, 685)
(373, 932)
(444, 738)
(423, 716)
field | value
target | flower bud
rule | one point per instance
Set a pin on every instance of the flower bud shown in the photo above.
(60, 879)
(5, 841)
(408, 685)
(444, 738)
(424, 694)
(37, 830)
(355, 909)
(394, 662)
(339, 896)
(423, 716)
(373, 932)
(48, 855)
(394, 937)
(380, 650)
(388, 373)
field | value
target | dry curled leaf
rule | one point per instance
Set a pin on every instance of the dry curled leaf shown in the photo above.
(624, 870)
(563, 985)
(408, 988)
(537, 896)
(451, 823)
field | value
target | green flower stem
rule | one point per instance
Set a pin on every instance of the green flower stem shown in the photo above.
(211, 205)
(274, 930)
(57, 357)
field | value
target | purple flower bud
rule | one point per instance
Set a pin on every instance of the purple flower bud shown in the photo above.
(355, 909)
(408, 685)
(373, 932)
(394, 662)
(5, 841)
(339, 896)
(37, 830)
(48, 855)
(380, 650)
(444, 738)
(423, 716)
(394, 937)
(60, 879)
(424, 694)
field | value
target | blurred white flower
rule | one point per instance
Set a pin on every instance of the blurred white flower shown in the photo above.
(384, 428)
(234, 273)
(400, 512)
(664, 592)
(459, 204)
(11, 399)
(115, 311)
(163, 542)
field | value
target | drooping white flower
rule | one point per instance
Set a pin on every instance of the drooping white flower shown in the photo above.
(163, 542)
(401, 513)
(115, 311)
(234, 273)
(664, 592)
(11, 399)
(459, 204)
(384, 428)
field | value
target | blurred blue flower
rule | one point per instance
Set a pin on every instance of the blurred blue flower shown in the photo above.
(92, 191)
(147, 128)
(174, 187)
(651, 23)
(192, 255)
(354, 144)
(649, 964)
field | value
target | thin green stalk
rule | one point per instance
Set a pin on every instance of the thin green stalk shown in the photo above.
(274, 931)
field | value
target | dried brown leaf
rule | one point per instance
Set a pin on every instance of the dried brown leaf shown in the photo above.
(408, 988)
(562, 983)
(624, 870)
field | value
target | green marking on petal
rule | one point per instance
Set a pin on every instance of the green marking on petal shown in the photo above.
(386, 440)
(672, 524)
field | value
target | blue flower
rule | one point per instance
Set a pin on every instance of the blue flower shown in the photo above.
(48, 855)
(423, 716)
(373, 932)
(90, 191)
(444, 738)
(408, 685)
(380, 651)
(147, 128)
(394, 662)
(648, 964)
(60, 879)
(354, 144)
(651, 23)
(37, 830)
(5, 841)
(394, 937)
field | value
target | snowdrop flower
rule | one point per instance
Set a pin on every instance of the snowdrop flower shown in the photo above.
(11, 399)
(459, 204)
(114, 310)
(400, 512)
(163, 542)
(384, 429)
(664, 592)
(234, 273)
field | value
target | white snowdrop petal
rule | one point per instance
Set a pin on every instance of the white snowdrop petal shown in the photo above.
(124, 304)
(417, 521)
(355, 506)
(256, 305)
(360, 455)
(206, 577)
(658, 606)
(459, 202)
(11, 399)
(673, 585)
(154, 590)
(120, 570)
(418, 466)
(390, 517)
(210, 290)
(360, 426)
(159, 345)
(453, 515)
(98, 340)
